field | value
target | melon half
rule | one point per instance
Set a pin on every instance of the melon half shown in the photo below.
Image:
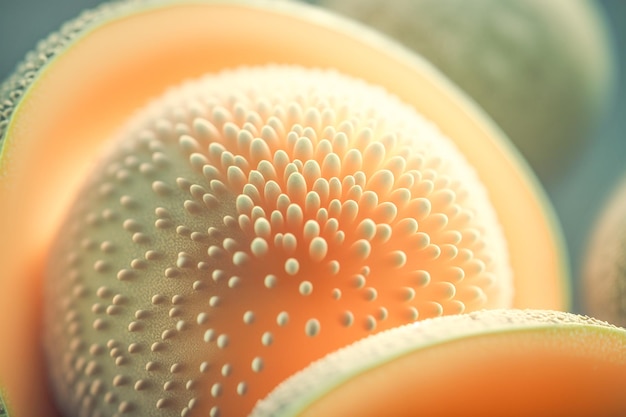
(502, 363)
(79, 88)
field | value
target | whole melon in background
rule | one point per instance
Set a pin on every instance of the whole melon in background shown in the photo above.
(542, 69)
(604, 272)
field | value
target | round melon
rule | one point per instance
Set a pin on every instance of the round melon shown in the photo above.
(604, 272)
(543, 70)
(490, 363)
(78, 89)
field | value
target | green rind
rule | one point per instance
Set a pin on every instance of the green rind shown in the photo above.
(298, 392)
(14, 88)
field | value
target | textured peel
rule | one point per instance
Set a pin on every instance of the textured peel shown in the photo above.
(252, 222)
(487, 363)
(604, 272)
(542, 70)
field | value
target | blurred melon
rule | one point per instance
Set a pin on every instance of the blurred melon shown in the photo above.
(79, 87)
(603, 290)
(543, 70)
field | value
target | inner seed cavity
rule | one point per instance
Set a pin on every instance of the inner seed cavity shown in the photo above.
(284, 207)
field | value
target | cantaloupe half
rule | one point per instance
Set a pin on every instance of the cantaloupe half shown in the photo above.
(82, 84)
(489, 363)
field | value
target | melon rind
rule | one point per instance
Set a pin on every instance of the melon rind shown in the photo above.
(228, 269)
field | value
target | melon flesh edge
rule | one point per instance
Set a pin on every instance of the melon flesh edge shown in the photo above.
(87, 92)
(506, 369)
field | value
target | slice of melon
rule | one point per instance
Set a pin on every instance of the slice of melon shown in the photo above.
(74, 92)
(489, 363)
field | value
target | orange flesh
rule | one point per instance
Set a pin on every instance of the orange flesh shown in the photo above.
(541, 373)
(88, 91)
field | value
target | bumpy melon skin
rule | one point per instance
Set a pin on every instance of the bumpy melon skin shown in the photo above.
(543, 70)
(250, 213)
(604, 273)
(391, 374)
(59, 90)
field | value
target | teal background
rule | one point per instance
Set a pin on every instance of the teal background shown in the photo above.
(577, 198)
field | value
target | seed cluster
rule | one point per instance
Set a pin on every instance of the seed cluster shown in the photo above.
(247, 224)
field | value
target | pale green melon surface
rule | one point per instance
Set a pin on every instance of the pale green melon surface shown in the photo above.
(34, 62)
(604, 273)
(541, 69)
